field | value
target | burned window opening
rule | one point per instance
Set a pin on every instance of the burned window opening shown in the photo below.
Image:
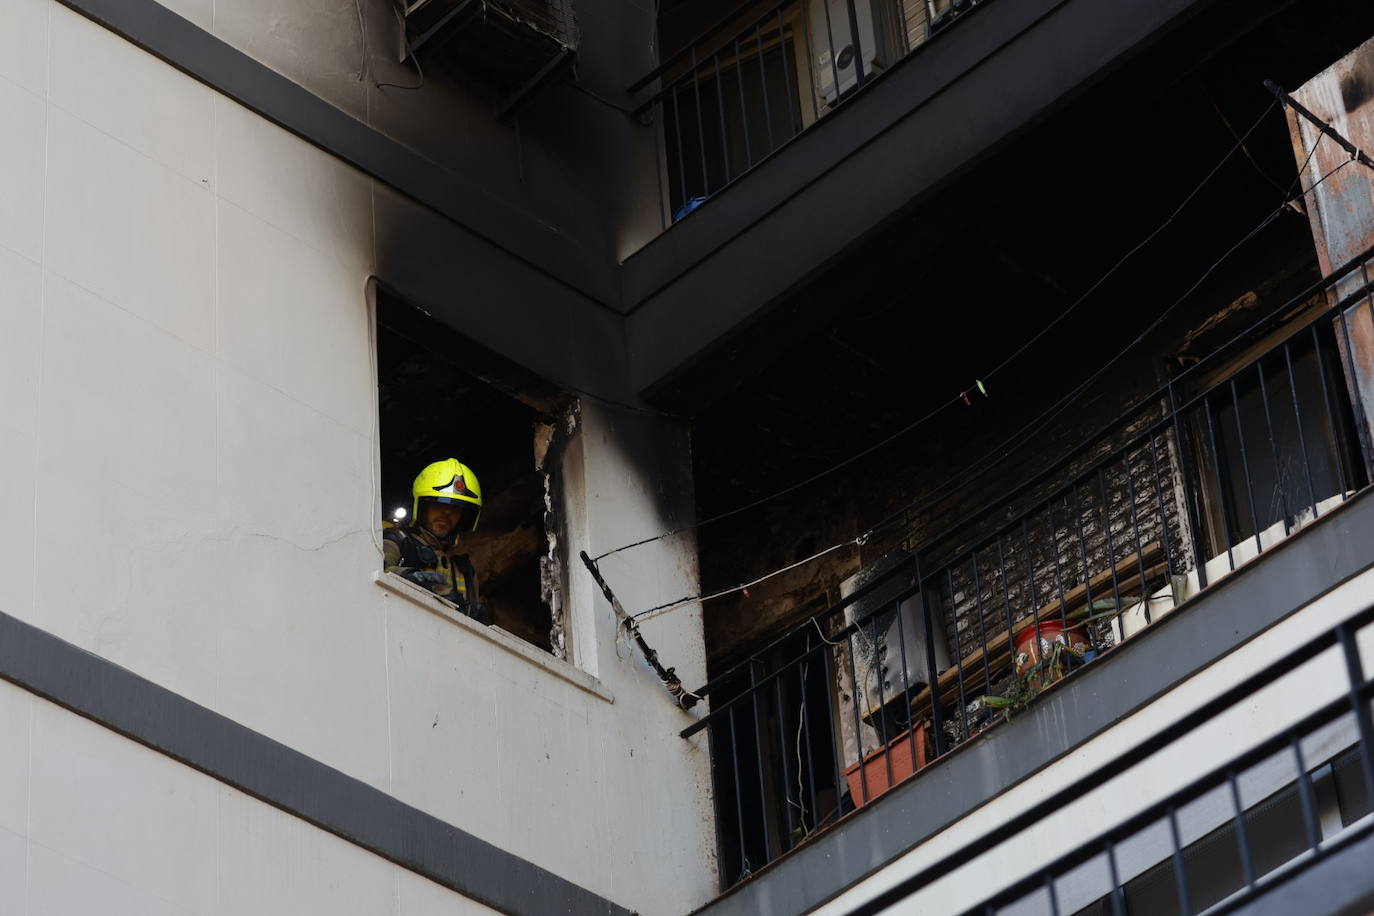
(441, 396)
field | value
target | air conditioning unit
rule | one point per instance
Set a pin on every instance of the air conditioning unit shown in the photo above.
(517, 46)
(884, 645)
(838, 52)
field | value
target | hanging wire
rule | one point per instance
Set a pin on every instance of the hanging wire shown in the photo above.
(995, 455)
(962, 396)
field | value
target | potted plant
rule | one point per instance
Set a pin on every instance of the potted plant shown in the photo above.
(899, 753)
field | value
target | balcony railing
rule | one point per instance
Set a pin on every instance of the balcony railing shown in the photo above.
(1223, 838)
(934, 647)
(764, 73)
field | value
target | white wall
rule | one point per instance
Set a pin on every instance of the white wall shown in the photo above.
(93, 823)
(187, 478)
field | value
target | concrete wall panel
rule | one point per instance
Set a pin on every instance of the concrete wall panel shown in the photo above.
(132, 231)
(123, 91)
(13, 872)
(100, 800)
(293, 186)
(20, 323)
(22, 164)
(286, 311)
(24, 44)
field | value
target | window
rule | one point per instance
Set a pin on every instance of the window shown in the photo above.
(1275, 443)
(443, 396)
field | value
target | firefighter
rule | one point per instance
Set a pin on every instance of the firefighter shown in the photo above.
(448, 502)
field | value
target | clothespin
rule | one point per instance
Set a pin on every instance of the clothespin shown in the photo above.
(967, 401)
(981, 387)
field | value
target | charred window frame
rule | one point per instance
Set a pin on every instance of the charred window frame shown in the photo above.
(442, 395)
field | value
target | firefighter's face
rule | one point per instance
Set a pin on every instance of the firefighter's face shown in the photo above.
(441, 518)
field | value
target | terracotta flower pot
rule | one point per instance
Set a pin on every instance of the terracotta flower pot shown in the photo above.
(899, 753)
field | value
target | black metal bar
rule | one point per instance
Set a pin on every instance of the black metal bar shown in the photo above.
(855, 687)
(806, 738)
(1006, 595)
(982, 629)
(1118, 894)
(701, 127)
(936, 706)
(720, 110)
(858, 48)
(1306, 796)
(743, 106)
(710, 32)
(1111, 548)
(879, 674)
(837, 765)
(786, 72)
(830, 39)
(959, 651)
(1034, 603)
(1221, 483)
(1247, 861)
(1163, 529)
(1087, 569)
(1180, 871)
(1331, 417)
(677, 140)
(1273, 446)
(1058, 577)
(739, 796)
(1317, 122)
(1049, 892)
(668, 676)
(1193, 523)
(1139, 550)
(783, 756)
(1297, 417)
(1362, 419)
(803, 10)
(759, 761)
(763, 85)
(906, 688)
(722, 879)
(1359, 708)
(1245, 467)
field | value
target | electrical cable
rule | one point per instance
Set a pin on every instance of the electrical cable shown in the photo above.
(362, 36)
(597, 97)
(1034, 426)
(410, 52)
(1240, 145)
(988, 374)
(793, 487)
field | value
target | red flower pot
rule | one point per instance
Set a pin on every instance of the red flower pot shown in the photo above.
(898, 752)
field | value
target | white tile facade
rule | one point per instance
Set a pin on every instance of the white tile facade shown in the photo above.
(107, 826)
(187, 480)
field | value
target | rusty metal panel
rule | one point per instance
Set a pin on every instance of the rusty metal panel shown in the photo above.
(1341, 208)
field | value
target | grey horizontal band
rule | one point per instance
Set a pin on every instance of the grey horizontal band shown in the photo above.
(224, 68)
(201, 738)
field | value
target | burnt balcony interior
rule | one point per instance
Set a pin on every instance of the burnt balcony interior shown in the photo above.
(934, 303)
